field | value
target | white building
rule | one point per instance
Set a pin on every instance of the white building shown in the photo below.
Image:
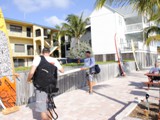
(128, 25)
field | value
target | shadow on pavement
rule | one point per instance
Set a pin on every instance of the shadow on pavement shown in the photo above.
(113, 99)
(96, 87)
(137, 75)
(138, 93)
(113, 117)
(137, 85)
(118, 101)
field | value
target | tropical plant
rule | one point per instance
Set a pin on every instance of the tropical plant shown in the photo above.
(75, 26)
(58, 35)
(151, 7)
(152, 34)
(79, 53)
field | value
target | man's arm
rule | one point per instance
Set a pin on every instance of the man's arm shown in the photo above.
(31, 73)
(61, 70)
(58, 65)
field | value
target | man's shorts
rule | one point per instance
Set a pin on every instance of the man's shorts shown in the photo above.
(89, 77)
(41, 101)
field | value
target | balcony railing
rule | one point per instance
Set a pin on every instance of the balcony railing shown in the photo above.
(138, 45)
(30, 52)
(26, 53)
(20, 34)
(134, 27)
(128, 46)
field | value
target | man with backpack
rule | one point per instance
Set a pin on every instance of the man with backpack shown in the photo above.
(44, 75)
(89, 65)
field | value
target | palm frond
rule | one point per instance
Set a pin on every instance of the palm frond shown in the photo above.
(100, 3)
(152, 38)
(75, 26)
(151, 29)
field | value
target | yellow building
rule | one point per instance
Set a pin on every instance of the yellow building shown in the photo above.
(28, 39)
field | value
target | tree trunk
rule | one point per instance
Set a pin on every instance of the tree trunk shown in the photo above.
(59, 46)
(78, 43)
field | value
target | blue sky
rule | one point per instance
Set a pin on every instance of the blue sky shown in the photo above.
(45, 12)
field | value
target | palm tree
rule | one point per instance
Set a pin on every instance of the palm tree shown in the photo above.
(75, 26)
(151, 7)
(58, 36)
(150, 38)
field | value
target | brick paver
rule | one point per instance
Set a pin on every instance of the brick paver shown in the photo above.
(108, 99)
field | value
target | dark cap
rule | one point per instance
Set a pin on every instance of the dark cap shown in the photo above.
(46, 50)
(88, 52)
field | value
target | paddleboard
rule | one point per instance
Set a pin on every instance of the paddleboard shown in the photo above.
(134, 55)
(119, 57)
(7, 80)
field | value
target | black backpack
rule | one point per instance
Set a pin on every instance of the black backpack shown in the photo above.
(97, 69)
(45, 79)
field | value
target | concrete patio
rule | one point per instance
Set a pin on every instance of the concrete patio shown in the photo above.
(109, 99)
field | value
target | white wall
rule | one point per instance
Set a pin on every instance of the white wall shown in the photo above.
(104, 25)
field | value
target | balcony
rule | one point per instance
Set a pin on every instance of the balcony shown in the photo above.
(138, 45)
(128, 46)
(28, 53)
(138, 27)
(19, 34)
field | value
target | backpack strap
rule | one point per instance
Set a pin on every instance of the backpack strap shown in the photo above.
(43, 58)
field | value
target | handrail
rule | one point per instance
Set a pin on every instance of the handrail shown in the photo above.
(69, 72)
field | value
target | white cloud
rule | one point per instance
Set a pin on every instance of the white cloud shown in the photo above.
(54, 20)
(28, 6)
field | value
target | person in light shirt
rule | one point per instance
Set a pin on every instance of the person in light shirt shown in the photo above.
(89, 65)
(41, 97)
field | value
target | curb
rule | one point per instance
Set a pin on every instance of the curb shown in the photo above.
(128, 109)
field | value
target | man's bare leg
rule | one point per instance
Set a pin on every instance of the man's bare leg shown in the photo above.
(90, 87)
(149, 80)
(44, 116)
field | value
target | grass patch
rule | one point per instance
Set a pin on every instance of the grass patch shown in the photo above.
(19, 69)
(128, 60)
(107, 62)
(72, 64)
(81, 64)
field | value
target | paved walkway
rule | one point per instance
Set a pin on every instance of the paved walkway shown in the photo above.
(108, 99)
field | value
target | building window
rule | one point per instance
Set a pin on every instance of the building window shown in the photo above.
(45, 32)
(30, 49)
(38, 32)
(15, 28)
(28, 32)
(19, 48)
(19, 62)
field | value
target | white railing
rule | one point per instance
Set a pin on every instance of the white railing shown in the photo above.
(138, 46)
(128, 47)
(134, 27)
